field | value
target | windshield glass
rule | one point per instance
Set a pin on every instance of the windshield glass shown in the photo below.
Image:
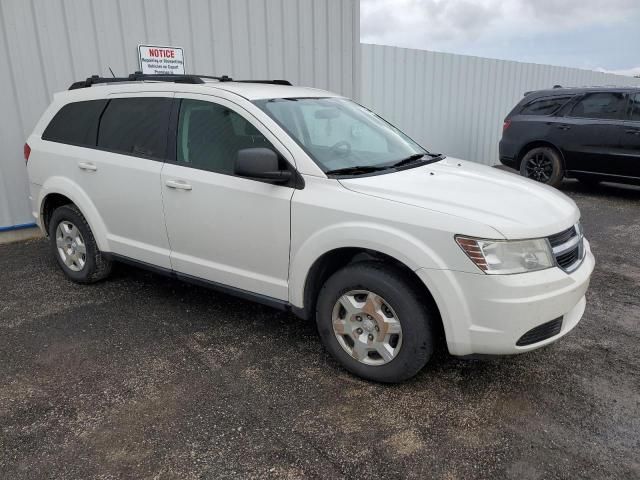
(340, 134)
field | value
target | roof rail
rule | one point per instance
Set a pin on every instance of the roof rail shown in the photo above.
(271, 82)
(136, 76)
(187, 78)
(529, 92)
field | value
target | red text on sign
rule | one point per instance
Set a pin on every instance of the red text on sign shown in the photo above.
(162, 53)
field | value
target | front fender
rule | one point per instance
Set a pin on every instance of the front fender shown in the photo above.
(79, 197)
(395, 243)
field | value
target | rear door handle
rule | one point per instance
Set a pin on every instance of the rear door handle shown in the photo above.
(87, 166)
(178, 185)
(564, 126)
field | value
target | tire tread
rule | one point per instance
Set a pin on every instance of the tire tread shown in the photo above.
(101, 265)
(390, 275)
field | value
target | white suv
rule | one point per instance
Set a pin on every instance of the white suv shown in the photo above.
(304, 200)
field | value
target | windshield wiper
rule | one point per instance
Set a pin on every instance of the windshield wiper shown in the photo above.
(376, 168)
(356, 170)
(409, 159)
(418, 157)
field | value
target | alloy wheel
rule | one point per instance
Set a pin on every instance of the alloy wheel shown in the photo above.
(71, 246)
(539, 167)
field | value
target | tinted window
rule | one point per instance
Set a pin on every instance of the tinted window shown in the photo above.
(136, 125)
(635, 107)
(600, 105)
(210, 135)
(544, 106)
(76, 123)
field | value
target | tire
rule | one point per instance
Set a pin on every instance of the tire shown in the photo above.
(413, 347)
(544, 165)
(66, 243)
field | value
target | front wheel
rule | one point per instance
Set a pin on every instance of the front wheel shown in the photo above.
(544, 165)
(371, 320)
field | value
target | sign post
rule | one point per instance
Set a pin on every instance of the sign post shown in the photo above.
(156, 59)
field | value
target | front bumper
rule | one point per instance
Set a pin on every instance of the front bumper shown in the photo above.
(487, 314)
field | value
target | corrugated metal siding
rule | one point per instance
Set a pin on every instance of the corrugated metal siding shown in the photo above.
(456, 104)
(47, 44)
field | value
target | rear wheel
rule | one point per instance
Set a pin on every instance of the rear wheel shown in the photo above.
(544, 165)
(370, 318)
(74, 246)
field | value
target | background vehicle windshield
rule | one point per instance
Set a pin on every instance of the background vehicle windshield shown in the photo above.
(338, 133)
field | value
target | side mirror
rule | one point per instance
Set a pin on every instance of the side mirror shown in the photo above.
(261, 164)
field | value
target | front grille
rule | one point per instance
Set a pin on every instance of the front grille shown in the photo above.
(568, 248)
(560, 238)
(541, 332)
(566, 260)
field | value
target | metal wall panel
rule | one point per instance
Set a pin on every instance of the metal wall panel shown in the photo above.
(456, 104)
(45, 45)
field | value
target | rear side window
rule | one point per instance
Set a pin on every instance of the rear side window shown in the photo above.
(76, 123)
(607, 105)
(136, 126)
(544, 106)
(634, 107)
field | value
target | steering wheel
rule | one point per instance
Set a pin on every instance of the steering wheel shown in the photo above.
(341, 148)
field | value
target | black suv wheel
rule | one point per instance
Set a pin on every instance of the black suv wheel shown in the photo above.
(544, 165)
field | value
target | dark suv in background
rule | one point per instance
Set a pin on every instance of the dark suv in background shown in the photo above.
(592, 134)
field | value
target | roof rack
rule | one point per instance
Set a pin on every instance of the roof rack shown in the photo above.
(531, 91)
(584, 88)
(187, 78)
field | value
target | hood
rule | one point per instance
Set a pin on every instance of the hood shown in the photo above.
(514, 206)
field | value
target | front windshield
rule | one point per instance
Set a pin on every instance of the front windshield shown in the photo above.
(340, 134)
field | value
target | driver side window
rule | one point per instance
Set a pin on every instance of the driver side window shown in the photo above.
(210, 135)
(330, 126)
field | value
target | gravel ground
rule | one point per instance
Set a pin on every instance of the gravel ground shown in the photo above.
(146, 377)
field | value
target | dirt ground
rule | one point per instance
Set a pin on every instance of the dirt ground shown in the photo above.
(146, 377)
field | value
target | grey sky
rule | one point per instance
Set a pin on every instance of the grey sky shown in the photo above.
(593, 34)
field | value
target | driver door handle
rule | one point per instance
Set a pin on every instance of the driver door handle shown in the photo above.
(178, 185)
(88, 166)
(564, 126)
(632, 131)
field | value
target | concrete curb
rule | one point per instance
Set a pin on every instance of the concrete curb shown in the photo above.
(19, 235)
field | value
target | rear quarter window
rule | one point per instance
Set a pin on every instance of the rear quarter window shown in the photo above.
(136, 126)
(76, 123)
(544, 106)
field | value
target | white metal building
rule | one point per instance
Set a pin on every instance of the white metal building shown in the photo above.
(45, 45)
(450, 103)
(455, 104)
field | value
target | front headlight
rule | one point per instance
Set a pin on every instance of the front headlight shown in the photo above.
(508, 256)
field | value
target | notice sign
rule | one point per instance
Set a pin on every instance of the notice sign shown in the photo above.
(155, 59)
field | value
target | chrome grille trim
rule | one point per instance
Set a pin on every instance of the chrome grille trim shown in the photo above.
(560, 238)
(571, 248)
(568, 245)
